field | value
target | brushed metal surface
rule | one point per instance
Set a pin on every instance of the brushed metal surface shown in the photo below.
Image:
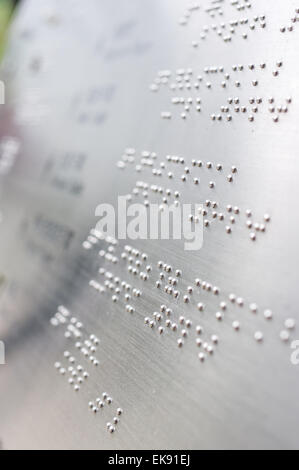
(78, 79)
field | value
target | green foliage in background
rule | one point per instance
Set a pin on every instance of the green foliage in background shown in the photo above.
(6, 8)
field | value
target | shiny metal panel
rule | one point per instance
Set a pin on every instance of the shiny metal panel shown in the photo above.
(82, 84)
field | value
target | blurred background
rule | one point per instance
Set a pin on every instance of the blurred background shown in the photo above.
(6, 10)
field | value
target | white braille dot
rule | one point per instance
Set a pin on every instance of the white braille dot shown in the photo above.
(215, 339)
(267, 218)
(258, 336)
(236, 325)
(219, 316)
(290, 323)
(284, 335)
(201, 356)
(268, 314)
(198, 329)
(253, 308)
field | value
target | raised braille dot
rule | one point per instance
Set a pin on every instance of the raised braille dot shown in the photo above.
(215, 339)
(284, 335)
(290, 323)
(201, 356)
(268, 314)
(198, 329)
(253, 308)
(219, 316)
(258, 336)
(267, 218)
(236, 325)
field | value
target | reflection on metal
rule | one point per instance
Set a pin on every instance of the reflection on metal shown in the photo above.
(138, 343)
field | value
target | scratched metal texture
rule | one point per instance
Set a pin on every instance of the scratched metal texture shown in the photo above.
(78, 78)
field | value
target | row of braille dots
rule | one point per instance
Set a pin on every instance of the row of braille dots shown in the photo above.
(166, 193)
(241, 6)
(146, 159)
(289, 324)
(119, 287)
(183, 77)
(97, 286)
(156, 190)
(95, 236)
(61, 317)
(182, 327)
(172, 281)
(73, 326)
(232, 213)
(215, 8)
(209, 288)
(100, 404)
(188, 173)
(216, 215)
(239, 301)
(188, 13)
(77, 374)
(258, 227)
(74, 330)
(200, 164)
(88, 349)
(204, 212)
(128, 157)
(201, 307)
(190, 103)
(239, 109)
(254, 226)
(109, 255)
(225, 31)
(135, 262)
(293, 22)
